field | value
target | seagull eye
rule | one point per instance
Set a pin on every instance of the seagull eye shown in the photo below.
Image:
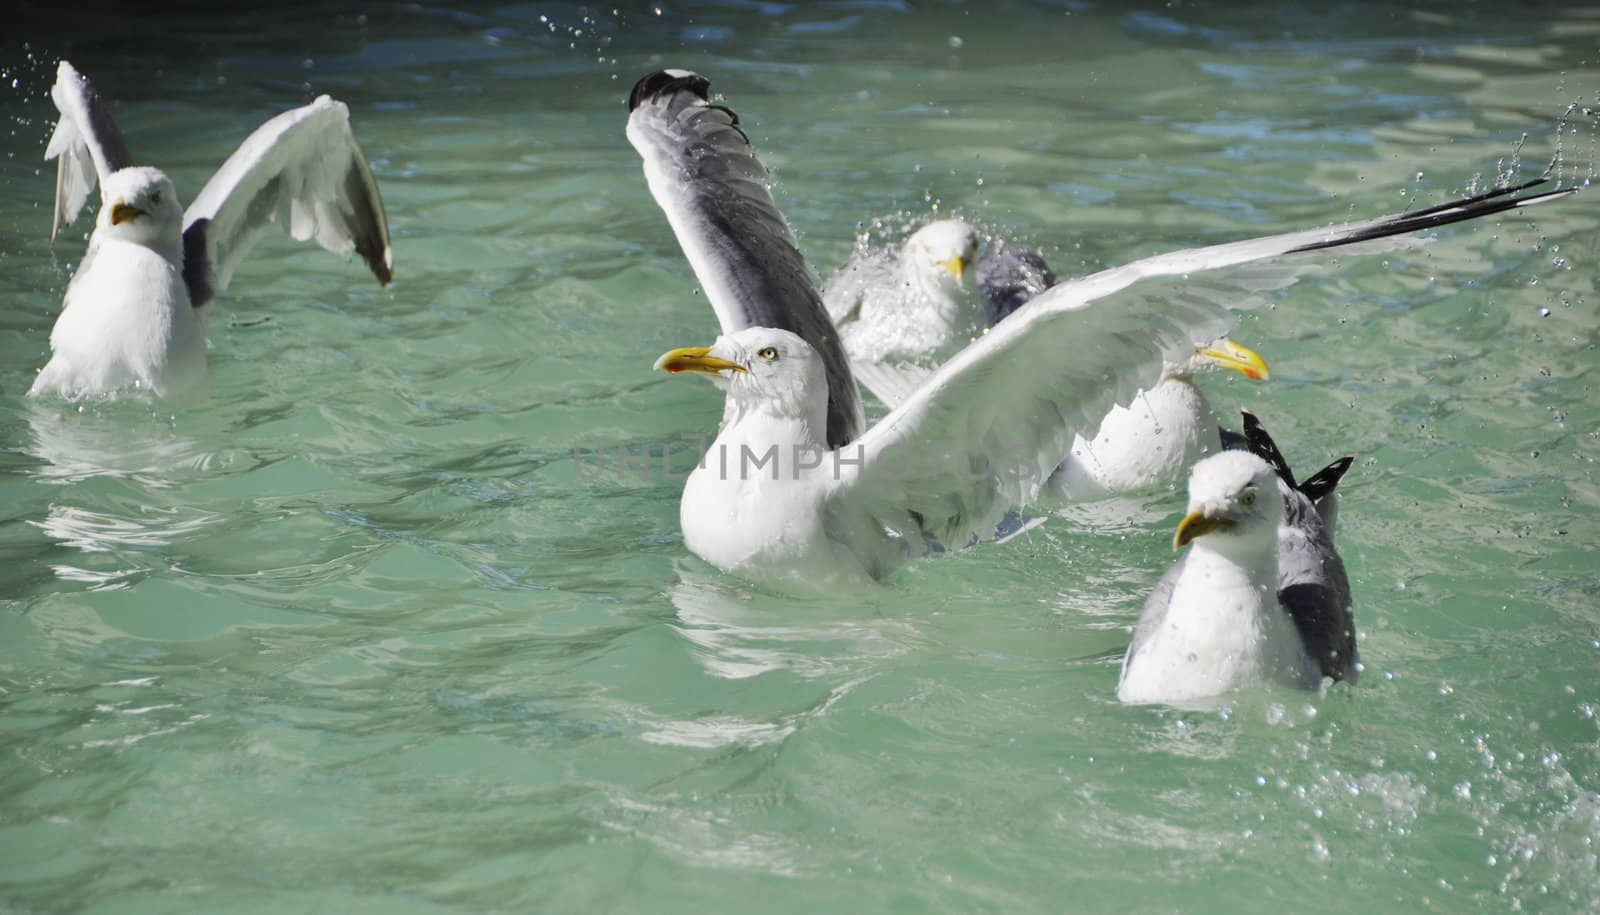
(155, 197)
(768, 353)
(1249, 497)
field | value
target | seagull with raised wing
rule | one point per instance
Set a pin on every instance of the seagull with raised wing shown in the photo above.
(779, 498)
(133, 314)
(1261, 597)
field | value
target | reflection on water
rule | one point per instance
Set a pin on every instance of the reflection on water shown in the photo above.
(115, 439)
(735, 633)
(125, 460)
(97, 532)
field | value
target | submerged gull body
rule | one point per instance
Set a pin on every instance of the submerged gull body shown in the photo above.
(1260, 598)
(983, 433)
(133, 316)
(1159, 435)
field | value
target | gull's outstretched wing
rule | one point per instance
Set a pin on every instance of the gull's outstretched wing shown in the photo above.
(86, 145)
(303, 169)
(1014, 399)
(707, 179)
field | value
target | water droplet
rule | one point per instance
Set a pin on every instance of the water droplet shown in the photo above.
(955, 41)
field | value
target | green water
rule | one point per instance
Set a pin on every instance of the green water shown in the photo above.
(354, 635)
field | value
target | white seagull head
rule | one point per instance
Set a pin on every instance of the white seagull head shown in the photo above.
(762, 367)
(140, 205)
(1234, 504)
(940, 252)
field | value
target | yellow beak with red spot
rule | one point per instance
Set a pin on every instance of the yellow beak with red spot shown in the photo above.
(697, 359)
(1229, 355)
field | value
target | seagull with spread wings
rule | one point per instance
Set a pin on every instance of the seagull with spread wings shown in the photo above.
(790, 492)
(133, 313)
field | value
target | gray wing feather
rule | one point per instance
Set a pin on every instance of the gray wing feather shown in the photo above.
(1314, 589)
(86, 144)
(706, 178)
(1008, 276)
(1312, 586)
(302, 169)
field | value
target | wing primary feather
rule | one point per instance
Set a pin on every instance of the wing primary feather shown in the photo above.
(668, 82)
(713, 189)
(302, 169)
(365, 221)
(1486, 204)
(1263, 447)
(197, 271)
(86, 144)
(1323, 481)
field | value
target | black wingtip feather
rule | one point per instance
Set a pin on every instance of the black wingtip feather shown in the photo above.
(366, 221)
(1323, 481)
(1262, 446)
(1486, 204)
(106, 133)
(665, 82)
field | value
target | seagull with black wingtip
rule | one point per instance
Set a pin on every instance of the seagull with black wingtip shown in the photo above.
(1260, 598)
(981, 435)
(133, 316)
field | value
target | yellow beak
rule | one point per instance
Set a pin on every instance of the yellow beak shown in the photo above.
(122, 212)
(1197, 524)
(1229, 355)
(695, 359)
(955, 266)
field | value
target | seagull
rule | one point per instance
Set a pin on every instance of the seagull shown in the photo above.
(779, 498)
(1213, 624)
(911, 302)
(921, 300)
(133, 314)
(902, 312)
(1261, 597)
(1156, 438)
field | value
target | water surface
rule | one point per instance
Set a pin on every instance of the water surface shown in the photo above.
(354, 634)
